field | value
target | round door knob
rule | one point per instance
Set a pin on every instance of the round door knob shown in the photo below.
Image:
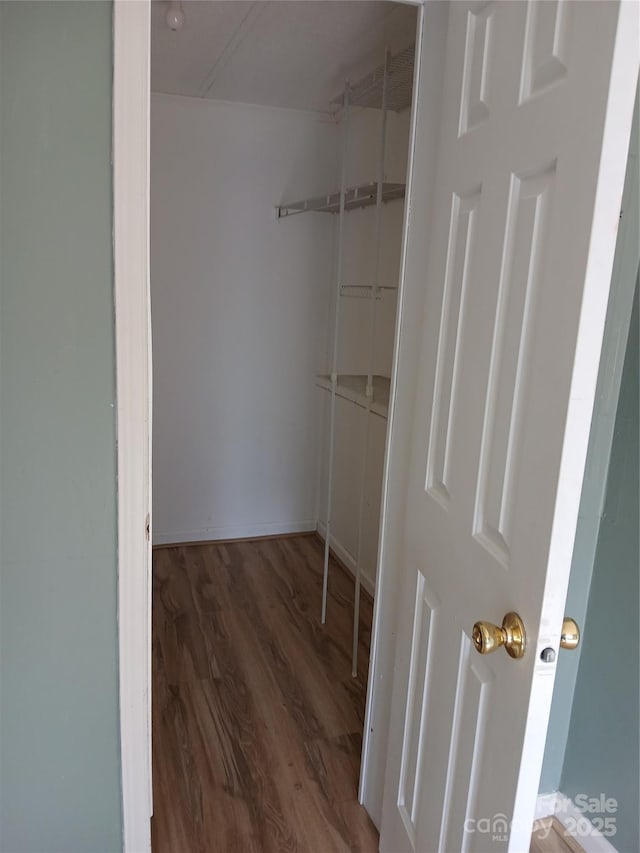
(570, 636)
(488, 637)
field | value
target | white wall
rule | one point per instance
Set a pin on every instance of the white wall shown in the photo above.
(239, 310)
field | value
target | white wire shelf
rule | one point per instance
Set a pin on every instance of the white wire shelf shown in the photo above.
(353, 387)
(367, 92)
(363, 291)
(364, 195)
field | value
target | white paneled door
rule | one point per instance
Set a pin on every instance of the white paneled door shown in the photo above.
(538, 100)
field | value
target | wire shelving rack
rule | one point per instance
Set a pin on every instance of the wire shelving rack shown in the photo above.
(387, 87)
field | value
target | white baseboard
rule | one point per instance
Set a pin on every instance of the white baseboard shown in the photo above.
(234, 531)
(575, 821)
(347, 559)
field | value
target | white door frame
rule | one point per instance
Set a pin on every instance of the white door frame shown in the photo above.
(131, 96)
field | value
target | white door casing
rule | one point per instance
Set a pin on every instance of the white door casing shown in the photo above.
(131, 99)
(537, 106)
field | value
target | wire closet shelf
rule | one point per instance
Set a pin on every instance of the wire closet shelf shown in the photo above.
(355, 197)
(371, 90)
(387, 87)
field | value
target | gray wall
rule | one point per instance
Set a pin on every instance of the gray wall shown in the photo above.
(603, 744)
(59, 741)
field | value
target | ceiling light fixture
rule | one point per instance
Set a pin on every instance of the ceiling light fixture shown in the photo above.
(175, 16)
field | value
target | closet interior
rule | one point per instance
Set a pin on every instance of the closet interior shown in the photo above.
(273, 335)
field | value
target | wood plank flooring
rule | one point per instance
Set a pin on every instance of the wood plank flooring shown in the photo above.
(257, 723)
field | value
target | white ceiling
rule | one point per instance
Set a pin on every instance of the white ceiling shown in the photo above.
(295, 53)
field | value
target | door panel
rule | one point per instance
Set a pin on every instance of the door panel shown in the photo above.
(516, 271)
(424, 625)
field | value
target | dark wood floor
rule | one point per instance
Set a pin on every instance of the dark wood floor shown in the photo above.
(257, 722)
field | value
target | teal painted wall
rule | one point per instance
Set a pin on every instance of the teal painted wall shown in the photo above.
(603, 744)
(59, 728)
(600, 443)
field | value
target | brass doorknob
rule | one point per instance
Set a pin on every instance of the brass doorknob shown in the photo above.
(570, 636)
(488, 637)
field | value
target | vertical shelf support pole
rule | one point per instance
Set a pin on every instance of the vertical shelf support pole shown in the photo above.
(334, 360)
(369, 389)
(375, 284)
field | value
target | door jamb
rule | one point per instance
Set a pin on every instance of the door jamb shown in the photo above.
(131, 98)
